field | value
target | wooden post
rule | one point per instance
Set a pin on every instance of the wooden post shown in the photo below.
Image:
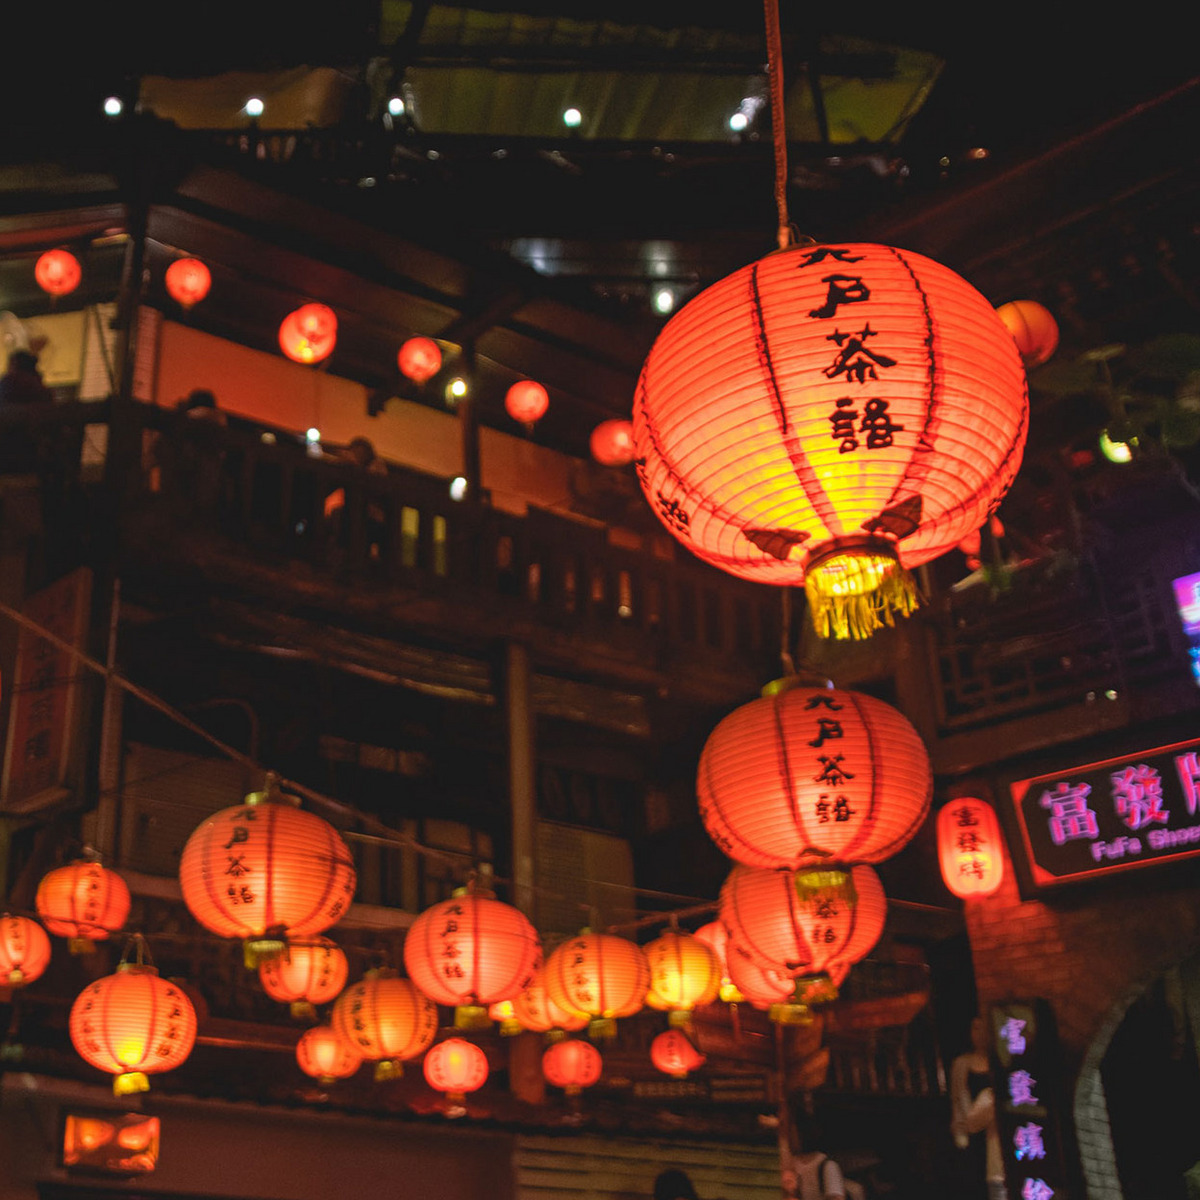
(521, 773)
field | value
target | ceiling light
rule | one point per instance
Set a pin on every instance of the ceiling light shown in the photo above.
(572, 118)
(456, 389)
(738, 121)
(254, 107)
(458, 488)
(1117, 452)
(664, 300)
(312, 434)
(113, 106)
(396, 106)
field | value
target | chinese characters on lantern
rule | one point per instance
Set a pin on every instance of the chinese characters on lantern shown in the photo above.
(830, 767)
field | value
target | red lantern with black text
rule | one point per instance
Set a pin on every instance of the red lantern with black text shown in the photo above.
(385, 1020)
(83, 902)
(716, 937)
(599, 974)
(456, 1067)
(419, 359)
(1033, 328)
(309, 972)
(684, 973)
(188, 281)
(572, 1065)
(612, 443)
(325, 1056)
(24, 951)
(535, 1011)
(57, 272)
(761, 987)
(969, 848)
(673, 1054)
(526, 401)
(309, 333)
(831, 415)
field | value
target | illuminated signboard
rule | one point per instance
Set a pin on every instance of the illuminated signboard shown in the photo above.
(1187, 601)
(110, 1143)
(1114, 815)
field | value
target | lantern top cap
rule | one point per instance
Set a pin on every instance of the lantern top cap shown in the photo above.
(271, 794)
(806, 679)
(136, 968)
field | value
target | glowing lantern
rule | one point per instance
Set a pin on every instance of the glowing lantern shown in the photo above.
(57, 272)
(673, 1054)
(684, 973)
(385, 1020)
(456, 1067)
(83, 902)
(419, 359)
(762, 987)
(716, 937)
(325, 1056)
(526, 401)
(535, 1011)
(188, 281)
(809, 776)
(572, 1065)
(133, 1024)
(265, 872)
(612, 443)
(830, 415)
(601, 975)
(24, 951)
(309, 334)
(969, 848)
(1033, 328)
(307, 973)
(471, 951)
(503, 1013)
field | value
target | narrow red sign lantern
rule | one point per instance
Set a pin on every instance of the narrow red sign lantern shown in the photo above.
(970, 850)
(188, 281)
(419, 359)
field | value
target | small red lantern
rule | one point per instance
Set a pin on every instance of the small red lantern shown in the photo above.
(133, 1024)
(572, 1065)
(188, 281)
(684, 973)
(324, 1056)
(526, 401)
(24, 951)
(307, 973)
(612, 443)
(970, 849)
(57, 272)
(419, 359)
(83, 902)
(716, 937)
(456, 1067)
(599, 974)
(673, 1054)
(1033, 328)
(385, 1020)
(535, 1011)
(309, 334)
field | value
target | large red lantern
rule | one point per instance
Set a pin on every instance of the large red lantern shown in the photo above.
(456, 1067)
(672, 1053)
(57, 272)
(471, 951)
(970, 849)
(188, 281)
(829, 415)
(309, 333)
(716, 937)
(323, 1055)
(385, 1020)
(309, 972)
(534, 1010)
(419, 359)
(526, 401)
(808, 776)
(24, 951)
(83, 902)
(599, 974)
(133, 1024)
(1033, 328)
(612, 443)
(266, 871)
(684, 973)
(572, 1065)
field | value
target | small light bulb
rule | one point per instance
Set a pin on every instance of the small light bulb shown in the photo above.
(113, 107)
(396, 106)
(738, 121)
(313, 434)
(664, 300)
(458, 488)
(1117, 452)
(457, 388)
(254, 107)
(572, 118)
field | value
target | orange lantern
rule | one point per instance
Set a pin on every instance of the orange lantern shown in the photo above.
(471, 951)
(133, 1024)
(385, 1020)
(526, 401)
(970, 848)
(57, 272)
(1033, 328)
(830, 415)
(309, 333)
(83, 902)
(419, 359)
(572, 1065)
(266, 871)
(601, 975)
(612, 443)
(456, 1067)
(535, 1011)
(24, 951)
(684, 973)
(325, 1056)
(188, 281)
(673, 1054)
(716, 937)
(807, 776)
(762, 987)
(307, 973)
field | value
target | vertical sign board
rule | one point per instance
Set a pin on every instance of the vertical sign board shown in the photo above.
(1027, 1083)
(46, 697)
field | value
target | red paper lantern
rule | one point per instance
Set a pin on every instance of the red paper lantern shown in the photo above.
(456, 1067)
(57, 272)
(536, 1011)
(308, 973)
(572, 1065)
(1033, 328)
(82, 901)
(526, 401)
(266, 871)
(716, 937)
(684, 973)
(970, 849)
(188, 281)
(612, 443)
(24, 950)
(471, 951)
(419, 359)
(309, 334)
(808, 776)
(827, 416)
(385, 1020)
(133, 1024)
(762, 987)
(324, 1056)
(673, 1054)
(601, 975)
